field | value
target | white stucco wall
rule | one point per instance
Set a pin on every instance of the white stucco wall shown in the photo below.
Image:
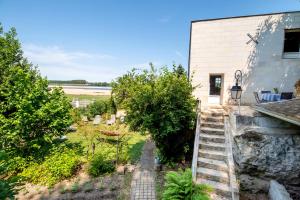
(219, 47)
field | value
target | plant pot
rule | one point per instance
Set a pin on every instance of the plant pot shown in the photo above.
(297, 92)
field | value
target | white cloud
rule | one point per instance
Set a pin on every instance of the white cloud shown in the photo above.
(57, 63)
(56, 55)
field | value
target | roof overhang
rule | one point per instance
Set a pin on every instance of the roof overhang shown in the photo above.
(288, 110)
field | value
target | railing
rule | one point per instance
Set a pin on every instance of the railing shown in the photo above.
(196, 142)
(231, 171)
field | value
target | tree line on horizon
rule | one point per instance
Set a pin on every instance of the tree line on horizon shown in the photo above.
(79, 82)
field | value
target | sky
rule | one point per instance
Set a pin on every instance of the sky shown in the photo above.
(99, 40)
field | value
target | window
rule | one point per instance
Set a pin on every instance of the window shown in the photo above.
(291, 47)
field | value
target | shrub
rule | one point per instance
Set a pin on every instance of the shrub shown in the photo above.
(179, 186)
(17, 164)
(60, 164)
(88, 187)
(7, 186)
(99, 166)
(75, 187)
(111, 106)
(161, 104)
(76, 115)
(6, 190)
(97, 108)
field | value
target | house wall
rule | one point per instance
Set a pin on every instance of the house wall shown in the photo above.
(219, 47)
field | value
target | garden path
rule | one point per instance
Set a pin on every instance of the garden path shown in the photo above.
(143, 181)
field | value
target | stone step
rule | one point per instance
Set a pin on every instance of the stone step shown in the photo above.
(212, 113)
(212, 137)
(215, 107)
(212, 119)
(213, 175)
(212, 154)
(212, 164)
(215, 125)
(212, 146)
(215, 131)
(219, 188)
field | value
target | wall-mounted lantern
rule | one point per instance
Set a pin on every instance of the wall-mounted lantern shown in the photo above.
(236, 90)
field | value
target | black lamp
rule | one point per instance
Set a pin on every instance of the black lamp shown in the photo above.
(236, 90)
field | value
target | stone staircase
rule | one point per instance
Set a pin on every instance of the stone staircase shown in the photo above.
(212, 163)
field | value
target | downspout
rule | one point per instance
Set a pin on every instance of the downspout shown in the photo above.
(189, 59)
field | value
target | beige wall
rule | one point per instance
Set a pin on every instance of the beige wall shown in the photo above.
(219, 47)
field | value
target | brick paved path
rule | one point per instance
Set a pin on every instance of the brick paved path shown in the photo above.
(143, 181)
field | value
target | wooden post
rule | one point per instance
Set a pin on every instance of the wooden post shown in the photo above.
(93, 149)
(117, 156)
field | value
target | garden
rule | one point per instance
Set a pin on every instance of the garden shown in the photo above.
(47, 149)
(89, 165)
(51, 150)
(86, 162)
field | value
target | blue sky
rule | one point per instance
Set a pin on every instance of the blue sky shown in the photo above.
(100, 40)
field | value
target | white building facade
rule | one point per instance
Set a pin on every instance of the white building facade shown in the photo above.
(266, 48)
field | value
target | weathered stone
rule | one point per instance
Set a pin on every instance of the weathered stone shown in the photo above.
(253, 184)
(278, 192)
(274, 156)
(97, 120)
(267, 156)
(84, 119)
(130, 168)
(251, 196)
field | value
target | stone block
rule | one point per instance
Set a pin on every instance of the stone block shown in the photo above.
(278, 191)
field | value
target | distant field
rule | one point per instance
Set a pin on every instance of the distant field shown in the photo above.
(88, 97)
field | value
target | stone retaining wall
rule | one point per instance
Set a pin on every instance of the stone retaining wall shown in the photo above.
(264, 149)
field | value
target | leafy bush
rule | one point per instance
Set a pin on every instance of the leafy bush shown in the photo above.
(7, 190)
(100, 166)
(76, 115)
(17, 164)
(30, 114)
(161, 104)
(179, 186)
(111, 106)
(97, 108)
(60, 164)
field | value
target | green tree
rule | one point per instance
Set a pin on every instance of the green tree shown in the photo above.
(97, 108)
(31, 115)
(162, 104)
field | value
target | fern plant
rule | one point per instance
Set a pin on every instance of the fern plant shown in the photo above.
(179, 186)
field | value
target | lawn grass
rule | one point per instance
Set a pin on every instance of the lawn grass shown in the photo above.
(88, 97)
(130, 144)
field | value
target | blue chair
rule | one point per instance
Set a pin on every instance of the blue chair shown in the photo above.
(265, 92)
